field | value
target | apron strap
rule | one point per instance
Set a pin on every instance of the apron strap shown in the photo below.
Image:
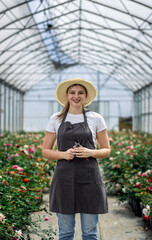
(84, 114)
(64, 117)
(85, 118)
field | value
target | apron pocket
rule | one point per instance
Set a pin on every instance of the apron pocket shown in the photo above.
(83, 175)
(63, 172)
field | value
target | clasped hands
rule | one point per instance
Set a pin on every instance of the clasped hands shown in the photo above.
(80, 152)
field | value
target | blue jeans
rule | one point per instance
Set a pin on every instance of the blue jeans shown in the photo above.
(66, 224)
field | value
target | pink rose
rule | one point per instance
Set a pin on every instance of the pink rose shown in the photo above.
(143, 174)
(31, 150)
(127, 153)
(38, 190)
(2, 218)
(139, 174)
(15, 166)
(20, 169)
(18, 233)
(9, 145)
(46, 218)
(138, 185)
(110, 139)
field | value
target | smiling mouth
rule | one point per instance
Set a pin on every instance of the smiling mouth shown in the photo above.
(76, 101)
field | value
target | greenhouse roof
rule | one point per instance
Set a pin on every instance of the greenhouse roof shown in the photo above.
(40, 37)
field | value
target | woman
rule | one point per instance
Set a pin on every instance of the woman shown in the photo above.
(77, 186)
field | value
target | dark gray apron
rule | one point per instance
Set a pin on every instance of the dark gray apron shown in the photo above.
(77, 186)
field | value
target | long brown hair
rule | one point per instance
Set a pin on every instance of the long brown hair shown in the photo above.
(67, 105)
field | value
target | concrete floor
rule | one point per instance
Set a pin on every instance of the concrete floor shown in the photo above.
(119, 224)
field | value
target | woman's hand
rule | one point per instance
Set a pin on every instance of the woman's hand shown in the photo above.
(82, 152)
(69, 155)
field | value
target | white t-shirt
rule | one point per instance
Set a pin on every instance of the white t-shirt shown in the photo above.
(95, 121)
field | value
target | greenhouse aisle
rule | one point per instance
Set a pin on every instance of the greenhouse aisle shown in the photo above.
(120, 221)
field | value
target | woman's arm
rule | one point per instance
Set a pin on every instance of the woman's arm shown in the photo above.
(49, 153)
(104, 146)
(102, 152)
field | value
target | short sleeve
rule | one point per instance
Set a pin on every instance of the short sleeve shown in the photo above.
(51, 126)
(101, 125)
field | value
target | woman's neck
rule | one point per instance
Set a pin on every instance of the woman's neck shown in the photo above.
(75, 110)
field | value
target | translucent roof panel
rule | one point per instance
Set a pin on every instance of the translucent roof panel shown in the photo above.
(40, 37)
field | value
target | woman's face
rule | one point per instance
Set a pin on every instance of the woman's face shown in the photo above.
(76, 95)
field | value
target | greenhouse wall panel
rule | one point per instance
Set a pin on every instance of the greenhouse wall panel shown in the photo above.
(11, 108)
(37, 113)
(142, 119)
(44, 43)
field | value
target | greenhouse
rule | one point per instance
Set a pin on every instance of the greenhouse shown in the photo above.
(44, 43)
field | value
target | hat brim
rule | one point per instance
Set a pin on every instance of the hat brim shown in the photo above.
(63, 86)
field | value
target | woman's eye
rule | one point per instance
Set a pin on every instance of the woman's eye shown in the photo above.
(78, 92)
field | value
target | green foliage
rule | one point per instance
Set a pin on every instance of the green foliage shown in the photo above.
(24, 173)
(130, 163)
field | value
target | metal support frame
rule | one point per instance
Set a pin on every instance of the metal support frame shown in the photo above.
(9, 109)
(22, 111)
(0, 107)
(140, 43)
(60, 79)
(4, 108)
(114, 51)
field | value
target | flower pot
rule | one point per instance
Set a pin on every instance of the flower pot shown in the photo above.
(142, 207)
(45, 190)
(150, 222)
(137, 208)
(131, 202)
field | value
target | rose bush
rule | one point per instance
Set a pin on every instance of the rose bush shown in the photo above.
(24, 173)
(128, 170)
